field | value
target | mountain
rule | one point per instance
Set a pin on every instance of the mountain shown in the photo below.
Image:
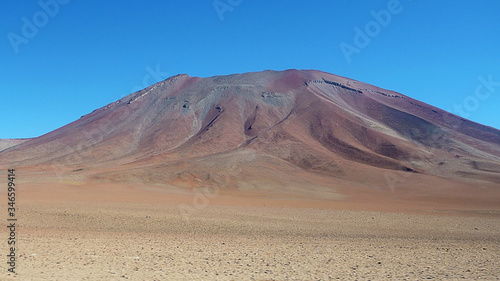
(290, 133)
(6, 143)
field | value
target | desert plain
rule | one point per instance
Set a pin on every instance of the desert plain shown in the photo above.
(80, 232)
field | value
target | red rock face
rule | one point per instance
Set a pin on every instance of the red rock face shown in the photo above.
(269, 130)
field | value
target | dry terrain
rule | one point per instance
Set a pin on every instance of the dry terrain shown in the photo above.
(271, 175)
(78, 233)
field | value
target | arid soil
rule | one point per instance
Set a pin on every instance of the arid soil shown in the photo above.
(272, 175)
(78, 233)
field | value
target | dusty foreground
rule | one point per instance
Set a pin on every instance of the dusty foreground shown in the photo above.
(71, 237)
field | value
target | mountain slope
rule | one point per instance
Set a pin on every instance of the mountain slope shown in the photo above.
(293, 132)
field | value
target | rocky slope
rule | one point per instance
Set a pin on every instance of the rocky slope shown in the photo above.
(293, 131)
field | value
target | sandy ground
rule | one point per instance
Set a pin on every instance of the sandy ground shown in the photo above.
(142, 235)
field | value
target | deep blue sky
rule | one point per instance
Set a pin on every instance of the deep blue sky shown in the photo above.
(86, 54)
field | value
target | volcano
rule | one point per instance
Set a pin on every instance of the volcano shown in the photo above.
(282, 134)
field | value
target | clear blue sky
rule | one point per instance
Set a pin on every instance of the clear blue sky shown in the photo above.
(61, 61)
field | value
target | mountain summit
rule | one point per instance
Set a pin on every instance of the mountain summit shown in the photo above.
(290, 132)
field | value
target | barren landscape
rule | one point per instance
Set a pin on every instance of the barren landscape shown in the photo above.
(88, 236)
(273, 175)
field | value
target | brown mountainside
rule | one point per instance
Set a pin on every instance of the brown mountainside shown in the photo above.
(295, 132)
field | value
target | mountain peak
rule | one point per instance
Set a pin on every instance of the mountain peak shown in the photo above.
(223, 130)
